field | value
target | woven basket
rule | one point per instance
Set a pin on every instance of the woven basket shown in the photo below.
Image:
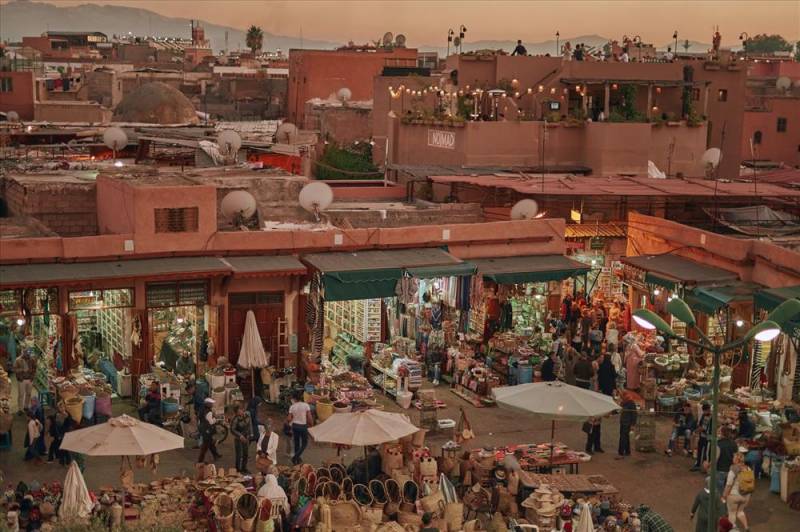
(246, 512)
(345, 514)
(409, 518)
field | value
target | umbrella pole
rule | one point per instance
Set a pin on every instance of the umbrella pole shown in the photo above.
(552, 441)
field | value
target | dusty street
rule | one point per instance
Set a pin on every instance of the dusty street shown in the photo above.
(654, 479)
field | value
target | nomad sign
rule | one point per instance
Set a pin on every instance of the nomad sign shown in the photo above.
(442, 139)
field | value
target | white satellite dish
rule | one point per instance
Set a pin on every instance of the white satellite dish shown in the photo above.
(400, 41)
(315, 197)
(286, 133)
(238, 203)
(344, 94)
(387, 38)
(783, 83)
(115, 138)
(12, 116)
(525, 209)
(229, 144)
(711, 157)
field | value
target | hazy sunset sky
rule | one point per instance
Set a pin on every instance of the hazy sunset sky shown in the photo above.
(427, 22)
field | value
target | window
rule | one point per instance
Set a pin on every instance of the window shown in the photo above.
(6, 85)
(757, 137)
(696, 95)
(722, 95)
(781, 125)
(179, 220)
(101, 299)
(193, 293)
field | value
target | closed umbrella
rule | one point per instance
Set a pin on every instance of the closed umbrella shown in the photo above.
(121, 436)
(76, 503)
(252, 354)
(555, 401)
(370, 427)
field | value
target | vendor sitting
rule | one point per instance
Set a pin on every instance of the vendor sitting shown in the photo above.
(511, 461)
(150, 411)
(185, 366)
(747, 429)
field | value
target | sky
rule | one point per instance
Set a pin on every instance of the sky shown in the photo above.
(427, 21)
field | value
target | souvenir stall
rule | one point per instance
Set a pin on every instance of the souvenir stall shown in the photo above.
(511, 307)
(103, 323)
(385, 314)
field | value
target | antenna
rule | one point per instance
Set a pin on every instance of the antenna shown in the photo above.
(286, 133)
(525, 209)
(387, 38)
(238, 206)
(400, 41)
(115, 138)
(315, 197)
(229, 144)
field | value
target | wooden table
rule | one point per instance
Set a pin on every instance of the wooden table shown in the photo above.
(589, 484)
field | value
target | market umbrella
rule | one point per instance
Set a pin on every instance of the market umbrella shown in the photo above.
(121, 436)
(370, 427)
(252, 354)
(556, 401)
(75, 500)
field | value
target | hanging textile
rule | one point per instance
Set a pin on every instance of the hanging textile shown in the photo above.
(760, 355)
(315, 314)
(406, 289)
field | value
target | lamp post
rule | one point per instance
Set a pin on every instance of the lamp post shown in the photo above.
(744, 37)
(450, 34)
(462, 31)
(765, 331)
(558, 49)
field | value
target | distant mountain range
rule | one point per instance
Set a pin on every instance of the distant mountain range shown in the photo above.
(25, 18)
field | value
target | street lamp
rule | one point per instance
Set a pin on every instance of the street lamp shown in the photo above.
(450, 34)
(462, 31)
(763, 332)
(558, 49)
(744, 37)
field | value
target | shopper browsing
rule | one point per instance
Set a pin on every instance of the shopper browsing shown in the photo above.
(300, 420)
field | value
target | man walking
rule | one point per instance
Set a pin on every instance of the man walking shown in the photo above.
(207, 423)
(241, 429)
(626, 422)
(300, 420)
(703, 429)
(24, 368)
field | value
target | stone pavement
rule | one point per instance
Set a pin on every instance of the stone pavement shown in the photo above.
(663, 483)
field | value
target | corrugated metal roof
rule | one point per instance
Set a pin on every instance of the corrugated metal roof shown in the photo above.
(590, 230)
(555, 185)
(681, 269)
(43, 274)
(379, 259)
(269, 264)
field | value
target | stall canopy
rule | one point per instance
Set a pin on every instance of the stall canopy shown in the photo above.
(770, 298)
(709, 299)
(23, 275)
(529, 269)
(374, 273)
(669, 270)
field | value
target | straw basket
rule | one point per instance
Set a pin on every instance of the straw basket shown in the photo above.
(409, 518)
(246, 512)
(75, 408)
(223, 512)
(68, 392)
(6, 420)
(324, 409)
(345, 514)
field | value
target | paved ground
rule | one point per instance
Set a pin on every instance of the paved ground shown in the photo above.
(663, 483)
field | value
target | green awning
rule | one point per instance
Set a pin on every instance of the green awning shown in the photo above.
(360, 284)
(709, 299)
(770, 298)
(651, 278)
(529, 269)
(452, 270)
(702, 302)
(374, 273)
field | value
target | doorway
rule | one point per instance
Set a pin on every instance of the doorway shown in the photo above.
(268, 309)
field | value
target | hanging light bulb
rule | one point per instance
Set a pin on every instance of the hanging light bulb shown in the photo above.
(657, 292)
(739, 323)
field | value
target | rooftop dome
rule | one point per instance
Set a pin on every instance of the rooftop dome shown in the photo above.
(156, 103)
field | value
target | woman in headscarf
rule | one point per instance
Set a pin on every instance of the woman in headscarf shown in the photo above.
(271, 490)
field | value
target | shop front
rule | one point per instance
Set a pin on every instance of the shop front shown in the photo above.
(776, 364)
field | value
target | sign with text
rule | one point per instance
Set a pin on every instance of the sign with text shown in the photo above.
(442, 139)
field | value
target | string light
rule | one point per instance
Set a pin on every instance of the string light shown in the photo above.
(541, 88)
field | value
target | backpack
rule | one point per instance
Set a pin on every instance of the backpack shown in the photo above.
(747, 481)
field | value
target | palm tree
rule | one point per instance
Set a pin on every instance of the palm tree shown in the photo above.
(686, 45)
(255, 38)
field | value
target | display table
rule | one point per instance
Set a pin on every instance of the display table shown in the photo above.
(584, 484)
(536, 457)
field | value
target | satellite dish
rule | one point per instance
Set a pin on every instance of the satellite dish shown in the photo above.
(783, 83)
(229, 143)
(238, 204)
(12, 116)
(387, 38)
(400, 41)
(711, 157)
(286, 133)
(315, 197)
(457, 42)
(115, 138)
(524, 210)
(344, 94)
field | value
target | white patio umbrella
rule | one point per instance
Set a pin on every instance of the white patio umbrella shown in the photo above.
(370, 427)
(75, 501)
(121, 436)
(556, 401)
(252, 354)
